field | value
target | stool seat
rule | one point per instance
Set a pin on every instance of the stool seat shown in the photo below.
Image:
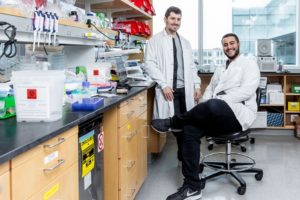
(232, 136)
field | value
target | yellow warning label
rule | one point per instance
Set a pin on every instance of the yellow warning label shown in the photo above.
(88, 155)
(47, 195)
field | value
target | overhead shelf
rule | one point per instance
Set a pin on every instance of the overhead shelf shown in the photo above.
(70, 33)
(117, 8)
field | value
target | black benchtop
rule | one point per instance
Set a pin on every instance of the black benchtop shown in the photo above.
(18, 137)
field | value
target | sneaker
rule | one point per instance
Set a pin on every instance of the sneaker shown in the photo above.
(185, 193)
(163, 126)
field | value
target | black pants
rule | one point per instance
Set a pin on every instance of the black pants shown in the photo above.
(179, 109)
(213, 117)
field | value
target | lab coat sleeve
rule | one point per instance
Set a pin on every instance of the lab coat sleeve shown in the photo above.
(248, 86)
(151, 64)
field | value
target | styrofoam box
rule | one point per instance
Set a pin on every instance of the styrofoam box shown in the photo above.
(261, 120)
(38, 95)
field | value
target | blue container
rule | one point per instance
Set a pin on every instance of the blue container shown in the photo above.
(88, 104)
(275, 119)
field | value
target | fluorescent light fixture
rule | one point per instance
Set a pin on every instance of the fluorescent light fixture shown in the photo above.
(250, 3)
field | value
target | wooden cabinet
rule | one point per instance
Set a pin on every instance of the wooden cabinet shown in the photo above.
(156, 140)
(289, 82)
(125, 155)
(32, 171)
(64, 187)
(4, 181)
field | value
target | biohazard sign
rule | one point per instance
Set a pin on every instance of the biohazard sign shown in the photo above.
(87, 153)
(101, 140)
(31, 94)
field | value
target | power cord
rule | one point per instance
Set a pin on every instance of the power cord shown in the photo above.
(9, 49)
(89, 23)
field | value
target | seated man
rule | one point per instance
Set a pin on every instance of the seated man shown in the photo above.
(229, 106)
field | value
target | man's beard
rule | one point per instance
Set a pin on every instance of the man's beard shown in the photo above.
(237, 52)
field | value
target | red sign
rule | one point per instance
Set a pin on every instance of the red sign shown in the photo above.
(31, 94)
(96, 72)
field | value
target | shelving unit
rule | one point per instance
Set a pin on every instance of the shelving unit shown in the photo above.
(286, 80)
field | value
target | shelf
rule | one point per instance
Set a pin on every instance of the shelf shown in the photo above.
(271, 105)
(290, 127)
(118, 8)
(287, 111)
(280, 128)
(292, 94)
(118, 53)
(69, 32)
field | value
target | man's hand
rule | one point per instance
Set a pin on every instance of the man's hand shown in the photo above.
(197, 94)
(168, 93)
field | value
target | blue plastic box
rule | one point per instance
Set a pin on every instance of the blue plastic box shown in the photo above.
(88, 104)
(275, 119)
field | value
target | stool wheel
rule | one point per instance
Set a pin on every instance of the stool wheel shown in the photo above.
(259, 176)
(252, 140)
(202, 184)
(241, 190)
(244, 149)
(210, 147)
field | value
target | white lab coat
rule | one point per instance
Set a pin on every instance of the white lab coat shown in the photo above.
(239, 82)
(159, 62)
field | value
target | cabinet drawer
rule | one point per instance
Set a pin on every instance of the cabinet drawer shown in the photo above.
(64, 187)
(141, 102)
(128, 137)
(4, 167)
(43, 164)
(4, 182)
(126, 111)
(128, 182)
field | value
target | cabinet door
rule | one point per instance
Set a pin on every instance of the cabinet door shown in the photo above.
(64, 187)
(128, 139)
(4, 182)
(143, 135)
(42, 164)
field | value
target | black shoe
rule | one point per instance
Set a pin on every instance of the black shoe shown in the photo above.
(185, 193)
(163, 126)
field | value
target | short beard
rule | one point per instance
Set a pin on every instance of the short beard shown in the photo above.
(237, 52)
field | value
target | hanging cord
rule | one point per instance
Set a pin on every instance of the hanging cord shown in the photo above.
(9, 49)
(89, 23)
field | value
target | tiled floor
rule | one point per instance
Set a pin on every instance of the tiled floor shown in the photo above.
(276, 152)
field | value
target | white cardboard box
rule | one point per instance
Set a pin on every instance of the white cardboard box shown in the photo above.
(261, 120)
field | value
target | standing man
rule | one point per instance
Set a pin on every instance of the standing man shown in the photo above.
(229, 106)
(169, 62)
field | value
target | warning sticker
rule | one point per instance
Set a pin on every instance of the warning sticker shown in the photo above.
(87, 153)
(101, 140)
(47, 195)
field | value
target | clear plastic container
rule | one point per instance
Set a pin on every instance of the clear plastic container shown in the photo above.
(38, 95)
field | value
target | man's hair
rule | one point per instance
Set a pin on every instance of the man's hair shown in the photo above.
(172, 9)
(231, 35)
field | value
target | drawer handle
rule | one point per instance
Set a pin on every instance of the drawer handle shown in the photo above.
(130, 113)
(132, 191)
(130, 164)
(60, 140)
(60, 162)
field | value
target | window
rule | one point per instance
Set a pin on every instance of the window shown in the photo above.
(251, 20)
(189, 23)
